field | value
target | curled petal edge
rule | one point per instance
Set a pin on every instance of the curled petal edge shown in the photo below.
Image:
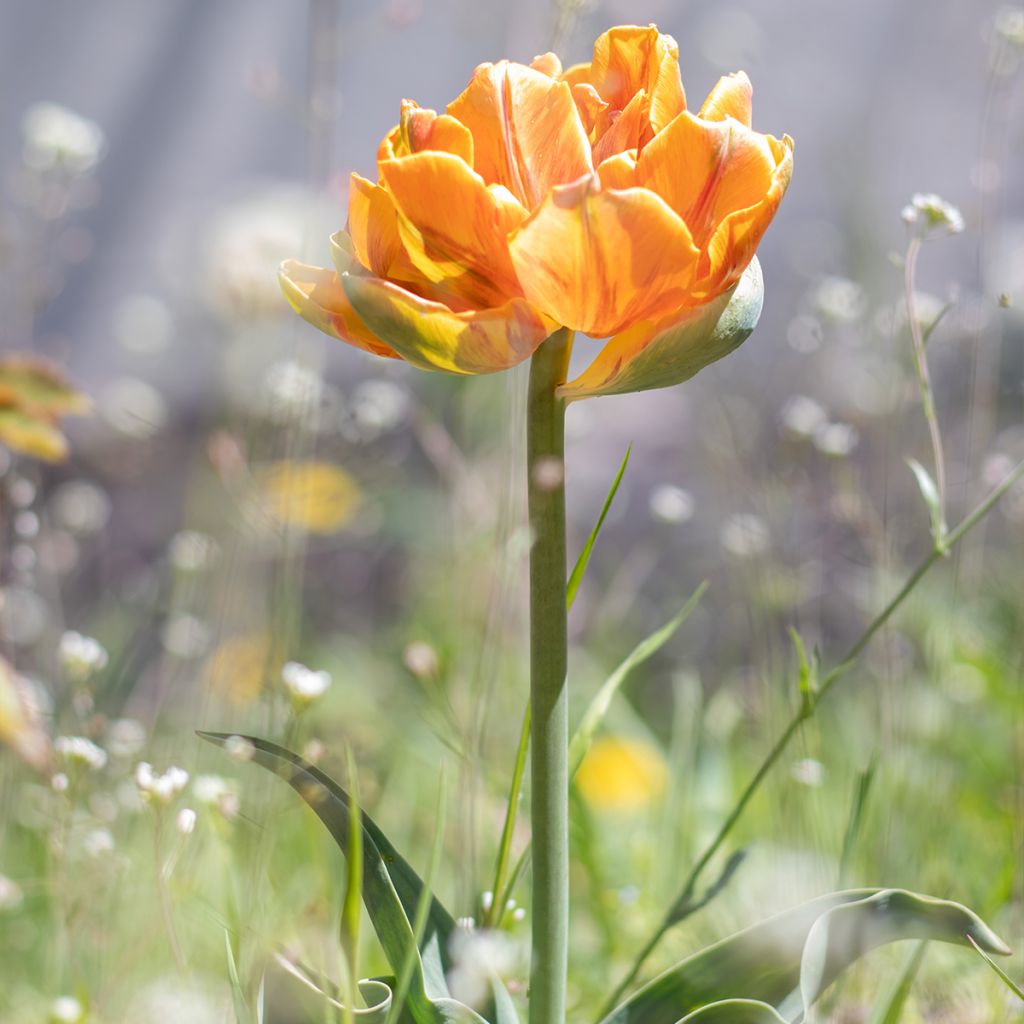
(431, 336)
(668, 352)
(316, 294)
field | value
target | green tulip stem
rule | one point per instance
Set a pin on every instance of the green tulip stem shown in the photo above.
(549, 697)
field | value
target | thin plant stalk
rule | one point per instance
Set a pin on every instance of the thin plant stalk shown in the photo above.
(806, 709)
(166, 908)
(549, 698)
(924, 380)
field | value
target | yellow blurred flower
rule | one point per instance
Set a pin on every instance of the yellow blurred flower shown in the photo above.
(20, 727)
(239, 666)
(316, 496)
(621, 775)
(33, 396)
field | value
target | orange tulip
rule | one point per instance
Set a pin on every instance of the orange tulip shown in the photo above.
(590, 198)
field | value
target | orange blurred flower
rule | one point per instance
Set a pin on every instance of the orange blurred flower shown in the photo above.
(590, 198)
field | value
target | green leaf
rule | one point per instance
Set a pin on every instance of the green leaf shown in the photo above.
(1006, 979)
(789, 960)
(890, 1008)
(391, 889)
(678, 351)
(376, 995)
(598, 707)
(243, 1015)
(734, 1011)
(856, 817)
(930, 493)
(576, 577)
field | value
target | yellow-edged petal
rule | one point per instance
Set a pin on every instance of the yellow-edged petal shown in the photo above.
(421, 129)
(433, 337)
(630, 58)
(317, 296)
(454, 228)
(706, 170)
(373, 230)
(732, 97)
(527, 133)
(597, 260)
(663, 354)
(737, 237)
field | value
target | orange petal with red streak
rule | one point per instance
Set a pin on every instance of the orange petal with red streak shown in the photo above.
(527, 134)
(454, 228)
(706, 170)
(432, 336)
(598, 260)
(667, 352)
(736, 238)
(317, 296)
(732, 96)
(630, 58)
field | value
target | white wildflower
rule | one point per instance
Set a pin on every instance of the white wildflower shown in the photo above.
(304, 684)
(477, 958)
(57, 137)
(78, 750)
(161, 789)
(185, 822)
(81, 657)
(10, 893)
(66, 1010)
(745, 535)
(927, 212)
(808, 772)
(671, 504)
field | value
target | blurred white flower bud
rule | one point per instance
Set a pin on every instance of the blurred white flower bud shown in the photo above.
(160, 789)
(303, 684)
(80, 751)
(80, 656)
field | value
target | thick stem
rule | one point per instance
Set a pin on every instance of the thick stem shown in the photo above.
(549, 698)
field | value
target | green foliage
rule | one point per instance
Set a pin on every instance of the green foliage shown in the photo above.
(789, 960)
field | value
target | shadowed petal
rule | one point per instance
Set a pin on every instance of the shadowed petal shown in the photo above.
(732, 97)
(317, 296)
(666, 353)
(706, 170)
(629, 129)
(527, 134)
(433, 337)
(373, 230)
(618, 171)
(737, 237)
(454, 228)
(597, 260)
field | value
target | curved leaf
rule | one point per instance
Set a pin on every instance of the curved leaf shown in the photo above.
(391, 889)
(787, 955)
(734, 1011)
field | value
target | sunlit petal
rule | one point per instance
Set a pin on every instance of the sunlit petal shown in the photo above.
(732, 97)
(597, 260)
(433, 337)
(527, 134)
(454, 228)
(665, 353)
(317, 296)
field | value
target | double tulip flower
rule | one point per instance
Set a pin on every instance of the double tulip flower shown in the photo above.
(590, 198)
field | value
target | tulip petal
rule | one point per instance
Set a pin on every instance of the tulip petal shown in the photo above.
(598, 260)
(547, 64)
(618, 171)
(317, 296)
(421, 129)
(373, 229)
(706, 170)
(527, 134)
(628, 130)
(431, 336)
(737, 237)
(732, 97)
(454, 228)
(630, 58)
(667, 353)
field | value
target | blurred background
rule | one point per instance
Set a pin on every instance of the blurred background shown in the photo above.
(247, 493)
